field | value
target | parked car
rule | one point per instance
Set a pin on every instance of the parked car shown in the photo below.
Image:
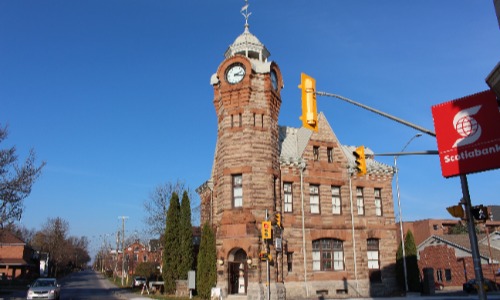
(44, 288)
(138, 281)
(472, 287)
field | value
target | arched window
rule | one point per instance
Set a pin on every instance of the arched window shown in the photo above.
(328, 255)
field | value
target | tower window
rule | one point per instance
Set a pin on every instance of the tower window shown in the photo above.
(378, 202)
(316, 153)
(287, 189)
(237, 191)
(314, 198)
(240, 120)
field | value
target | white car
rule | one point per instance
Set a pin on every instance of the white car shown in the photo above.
(138, 281)
(44, 288)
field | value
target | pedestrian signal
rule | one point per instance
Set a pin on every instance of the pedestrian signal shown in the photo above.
(479, 212)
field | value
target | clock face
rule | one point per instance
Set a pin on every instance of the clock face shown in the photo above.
(274, 80)
(235, 73)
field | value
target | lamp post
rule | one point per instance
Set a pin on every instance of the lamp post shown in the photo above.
(399, 208)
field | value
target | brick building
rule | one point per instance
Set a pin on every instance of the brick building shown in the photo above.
(17, 259)
(337, 235)
(135, 254)
(451, 257)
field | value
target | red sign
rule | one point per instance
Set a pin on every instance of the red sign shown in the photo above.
(468, 134)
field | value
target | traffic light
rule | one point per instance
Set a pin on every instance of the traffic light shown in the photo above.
(359, 153)
(263, 255)
(278, 219)
(309, 111)
(479, 212)
(266, 230)
(456, 211)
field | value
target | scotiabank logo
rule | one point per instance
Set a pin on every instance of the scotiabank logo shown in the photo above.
(466, 126)
(468, 135)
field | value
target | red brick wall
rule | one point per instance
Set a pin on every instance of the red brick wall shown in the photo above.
(443, 257)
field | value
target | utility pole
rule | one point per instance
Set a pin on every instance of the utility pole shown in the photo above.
(123, 245)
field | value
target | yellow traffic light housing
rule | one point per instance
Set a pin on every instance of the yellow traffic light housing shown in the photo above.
(278, 219)
(266, 230)
(359, 153)
(309, 111)
(456, 211)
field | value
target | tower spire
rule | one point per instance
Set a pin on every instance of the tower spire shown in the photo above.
(246, 14)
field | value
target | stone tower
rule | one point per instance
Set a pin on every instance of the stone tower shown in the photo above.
(244, 188)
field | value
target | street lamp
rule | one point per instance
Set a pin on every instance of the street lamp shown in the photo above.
(399, 207)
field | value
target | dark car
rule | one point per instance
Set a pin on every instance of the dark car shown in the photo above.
(472, 287)
(44, 288)
(138, 281)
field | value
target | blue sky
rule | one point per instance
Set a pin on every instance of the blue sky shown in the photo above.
(115, 95)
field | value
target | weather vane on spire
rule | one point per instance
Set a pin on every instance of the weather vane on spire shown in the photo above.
(245, 13)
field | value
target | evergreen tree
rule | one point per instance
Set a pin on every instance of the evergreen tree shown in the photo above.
(412, 263)
(186, 238)
(400, 268)
(206, 276)
(171, 249)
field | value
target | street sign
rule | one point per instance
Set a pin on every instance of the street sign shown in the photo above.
(468, 134)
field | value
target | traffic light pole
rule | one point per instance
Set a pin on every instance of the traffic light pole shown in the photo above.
(478, 271)
(463, 180)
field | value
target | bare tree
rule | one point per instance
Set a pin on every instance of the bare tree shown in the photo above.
(15, 181)
(52, 239)
(157, 205)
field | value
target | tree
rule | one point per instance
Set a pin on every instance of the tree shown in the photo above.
(15, 181)
(186, 238)
(206, 277)
(146, 269)
(52, 239)
(400, 267)
(171, 249)
(157, 205)
(412, 263)
(412, 270)
(64, 252)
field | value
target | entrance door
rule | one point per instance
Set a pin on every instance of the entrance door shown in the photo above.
(234, 270)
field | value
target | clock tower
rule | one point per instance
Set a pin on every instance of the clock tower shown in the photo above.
(245, 180)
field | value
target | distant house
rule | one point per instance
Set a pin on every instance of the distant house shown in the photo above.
(451, 257)
(137, 253)
(17, 259)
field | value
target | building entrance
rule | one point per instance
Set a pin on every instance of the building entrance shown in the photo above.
(238, 277)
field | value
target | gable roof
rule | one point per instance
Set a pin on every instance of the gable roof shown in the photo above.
(462, 242)
(293, 142)
(8, 238)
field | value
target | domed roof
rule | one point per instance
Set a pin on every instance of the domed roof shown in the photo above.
(246, 43)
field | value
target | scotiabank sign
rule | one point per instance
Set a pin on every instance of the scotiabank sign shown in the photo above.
(468, 134)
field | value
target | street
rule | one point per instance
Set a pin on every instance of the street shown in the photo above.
(84, 285)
